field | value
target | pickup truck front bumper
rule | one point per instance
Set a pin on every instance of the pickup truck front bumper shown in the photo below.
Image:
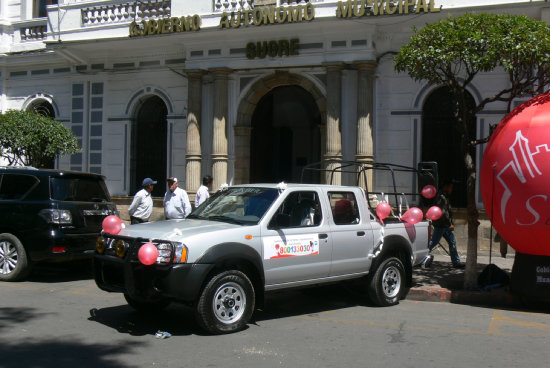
(181, 282)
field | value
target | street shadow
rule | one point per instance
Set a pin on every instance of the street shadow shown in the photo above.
(312, 301)
(176, 319)
(55, 353)
(61, 272)
(179, 319)
(10, 317)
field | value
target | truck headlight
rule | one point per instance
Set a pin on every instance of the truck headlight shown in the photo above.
(180, 254)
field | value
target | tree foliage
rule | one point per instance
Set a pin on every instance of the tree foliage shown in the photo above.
(453, 51)
(31, 139)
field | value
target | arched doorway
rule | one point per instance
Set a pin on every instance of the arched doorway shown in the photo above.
(44, 108)
(441, 141)
(285, 136)
(149, 136)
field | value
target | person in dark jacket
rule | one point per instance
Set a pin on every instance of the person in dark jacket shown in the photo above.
(443, 227)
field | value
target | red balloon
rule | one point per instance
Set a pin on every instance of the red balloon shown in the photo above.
(383, 210)
(413, 215)
(112, 224)
(434, 213)
(148, 254)
(515, 177)
(428, 191)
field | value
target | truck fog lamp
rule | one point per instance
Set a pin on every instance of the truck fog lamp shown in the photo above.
(100, 245)
(120, 248)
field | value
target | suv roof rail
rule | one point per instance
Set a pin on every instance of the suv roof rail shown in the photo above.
(18, 167)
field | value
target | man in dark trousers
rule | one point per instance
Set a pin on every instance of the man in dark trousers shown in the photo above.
(443, 227)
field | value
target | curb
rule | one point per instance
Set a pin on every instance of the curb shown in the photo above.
(496, 297)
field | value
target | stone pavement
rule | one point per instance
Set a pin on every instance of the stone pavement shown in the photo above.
(443, 283)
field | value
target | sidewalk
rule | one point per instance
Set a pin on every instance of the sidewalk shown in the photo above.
(443, 283)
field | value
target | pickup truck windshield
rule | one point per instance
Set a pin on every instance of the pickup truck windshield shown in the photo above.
(245, 206)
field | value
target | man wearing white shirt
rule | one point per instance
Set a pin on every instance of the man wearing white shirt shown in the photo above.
(142, 206)
(176, 201)
(203, 191)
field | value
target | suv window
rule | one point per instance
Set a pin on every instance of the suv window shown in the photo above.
(16, 186)
(344, 208)
(79, 189)
(300, 209)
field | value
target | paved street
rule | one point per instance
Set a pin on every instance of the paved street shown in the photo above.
(64, 320)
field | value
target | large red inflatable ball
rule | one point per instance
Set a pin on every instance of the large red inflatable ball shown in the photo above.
(515, 177)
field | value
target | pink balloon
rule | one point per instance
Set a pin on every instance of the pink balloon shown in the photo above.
(413, 215)
(383, 210)
(112, 224)
(429, 191)
(148, 254)
(434, 213)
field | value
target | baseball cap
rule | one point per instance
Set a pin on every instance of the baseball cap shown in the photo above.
(172, 179)
(147, 182)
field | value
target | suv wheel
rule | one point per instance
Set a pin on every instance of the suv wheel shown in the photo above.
(226, 303)
(388, 282)
(14, 264)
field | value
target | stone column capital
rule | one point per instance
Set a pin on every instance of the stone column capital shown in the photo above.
(365, 65)
(223, 72)
(333, 66)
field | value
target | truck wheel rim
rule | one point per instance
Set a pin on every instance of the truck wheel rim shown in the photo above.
(8, 257)
(391, 281)
(229, 303)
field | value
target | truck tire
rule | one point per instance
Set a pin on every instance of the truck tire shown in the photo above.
(226, 303)
(387, 284)
(146, 305)
(14, 263)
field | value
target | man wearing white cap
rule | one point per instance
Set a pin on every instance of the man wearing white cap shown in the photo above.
(176, 201)
(142, 206)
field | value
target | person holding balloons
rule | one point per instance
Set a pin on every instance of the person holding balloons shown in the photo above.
(443, 226)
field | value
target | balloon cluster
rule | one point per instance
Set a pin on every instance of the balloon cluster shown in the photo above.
(414, 214)
(112, 224)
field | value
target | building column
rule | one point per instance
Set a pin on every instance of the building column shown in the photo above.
(333, 148)
(194, 108)
(242, 154)
(365, 108)
(219, 135)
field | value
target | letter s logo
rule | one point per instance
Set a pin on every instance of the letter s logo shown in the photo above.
(532, 210)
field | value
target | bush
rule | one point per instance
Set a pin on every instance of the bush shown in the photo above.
(31, 139)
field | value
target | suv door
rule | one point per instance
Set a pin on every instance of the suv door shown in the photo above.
(295, 240)
(352, 234)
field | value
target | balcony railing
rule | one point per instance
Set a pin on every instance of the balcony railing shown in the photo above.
(32, 30)
(236, 5)
(118, 12)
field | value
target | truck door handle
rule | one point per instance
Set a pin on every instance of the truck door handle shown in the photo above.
(360, 233)
(323, 236)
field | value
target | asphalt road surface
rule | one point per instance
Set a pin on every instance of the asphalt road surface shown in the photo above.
(61, 319)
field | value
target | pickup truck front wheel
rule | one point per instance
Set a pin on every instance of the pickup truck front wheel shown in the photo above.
(387, 284)
(226, 303)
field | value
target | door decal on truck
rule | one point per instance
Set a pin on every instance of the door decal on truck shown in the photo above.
(290, 246)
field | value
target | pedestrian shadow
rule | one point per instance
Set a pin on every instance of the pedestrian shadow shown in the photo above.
(175, 319)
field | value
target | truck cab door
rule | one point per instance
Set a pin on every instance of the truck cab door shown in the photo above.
(296, 241)
(351, 230)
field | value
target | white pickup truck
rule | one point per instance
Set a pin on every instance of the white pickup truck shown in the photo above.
(250, 239)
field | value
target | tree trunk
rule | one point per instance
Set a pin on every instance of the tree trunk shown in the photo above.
(470, 274)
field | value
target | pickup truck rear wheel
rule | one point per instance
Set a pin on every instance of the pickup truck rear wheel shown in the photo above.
(146, 305)
(388, 282)
(226, 303)
(14, 263)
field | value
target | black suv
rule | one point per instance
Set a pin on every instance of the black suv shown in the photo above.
(48, 215)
